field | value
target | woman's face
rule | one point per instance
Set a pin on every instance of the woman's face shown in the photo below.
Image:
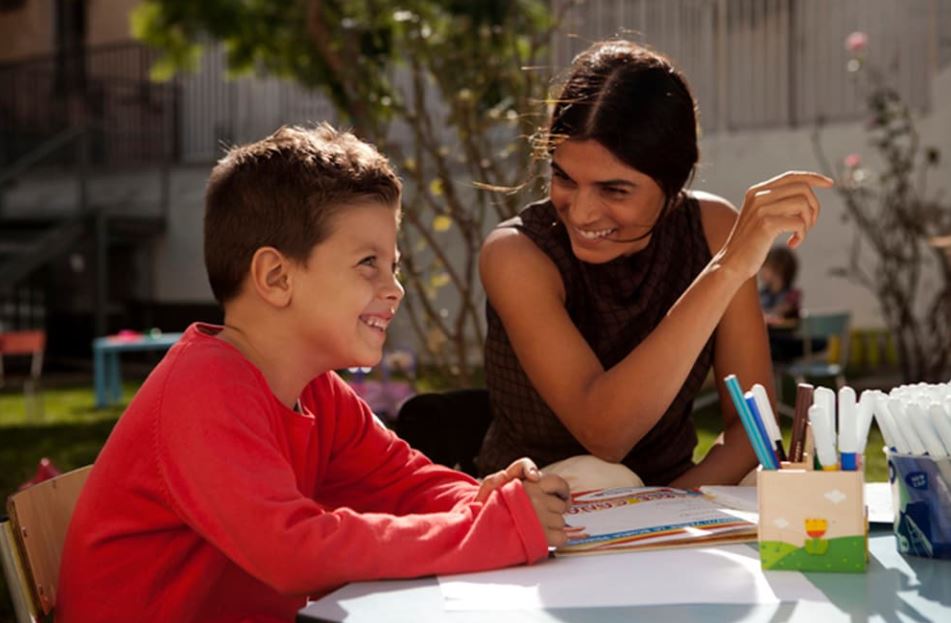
(603, 203)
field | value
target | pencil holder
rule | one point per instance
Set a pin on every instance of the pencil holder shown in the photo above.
(921, 494)
(812, 520)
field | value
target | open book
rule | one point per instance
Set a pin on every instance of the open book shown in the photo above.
(634, 518)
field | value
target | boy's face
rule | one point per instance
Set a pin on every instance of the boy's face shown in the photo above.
(347, 293)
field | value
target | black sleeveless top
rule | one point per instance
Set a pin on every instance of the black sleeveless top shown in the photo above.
(615, 306)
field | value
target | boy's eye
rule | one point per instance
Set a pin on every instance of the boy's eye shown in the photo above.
(368, 261)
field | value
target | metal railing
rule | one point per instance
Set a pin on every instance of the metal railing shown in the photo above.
(131, 119)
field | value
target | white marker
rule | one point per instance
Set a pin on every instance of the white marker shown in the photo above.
(769, 420)
(822, 433)
(848, 429)
(904, 427)
(886, 423)
(864, 418)
(941, 423)
(921, 422)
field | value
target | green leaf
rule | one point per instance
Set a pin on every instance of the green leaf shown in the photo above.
(442, 223)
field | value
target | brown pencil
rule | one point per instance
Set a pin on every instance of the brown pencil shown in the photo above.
(800, 419)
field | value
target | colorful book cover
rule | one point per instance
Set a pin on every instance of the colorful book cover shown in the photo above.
(648, 517)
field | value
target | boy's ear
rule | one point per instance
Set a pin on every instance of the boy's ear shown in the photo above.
(270, 276)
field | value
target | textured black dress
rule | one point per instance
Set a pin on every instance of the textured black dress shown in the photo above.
(615, 306)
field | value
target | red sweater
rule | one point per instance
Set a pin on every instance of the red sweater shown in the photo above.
(212, 501)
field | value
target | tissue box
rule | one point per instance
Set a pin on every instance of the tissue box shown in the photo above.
(921, 493)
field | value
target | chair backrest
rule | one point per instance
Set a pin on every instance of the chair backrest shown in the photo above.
(39, 518)
(833, 326)
(24, 343)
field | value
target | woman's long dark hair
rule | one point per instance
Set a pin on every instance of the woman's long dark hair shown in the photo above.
(635, 103)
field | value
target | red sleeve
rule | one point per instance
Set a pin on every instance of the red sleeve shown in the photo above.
(229, 478)
(371, 469)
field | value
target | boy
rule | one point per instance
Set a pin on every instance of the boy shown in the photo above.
(245, 474)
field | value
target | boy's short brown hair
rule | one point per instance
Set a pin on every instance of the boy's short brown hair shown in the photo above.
(281, 192)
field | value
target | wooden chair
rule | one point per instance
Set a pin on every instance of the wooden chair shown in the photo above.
(25, 343)
(32, 539)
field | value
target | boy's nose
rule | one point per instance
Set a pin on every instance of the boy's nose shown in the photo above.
(394, 290)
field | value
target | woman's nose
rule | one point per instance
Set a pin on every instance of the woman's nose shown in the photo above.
(583, 208)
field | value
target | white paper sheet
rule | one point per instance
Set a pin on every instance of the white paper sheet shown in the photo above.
(717, 575)
(878, 499)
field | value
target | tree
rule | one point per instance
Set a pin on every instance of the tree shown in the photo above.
(898, 224)
(453, 76)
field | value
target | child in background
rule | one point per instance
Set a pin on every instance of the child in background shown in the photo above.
(246, 475)
(781, 304)
(779, 299)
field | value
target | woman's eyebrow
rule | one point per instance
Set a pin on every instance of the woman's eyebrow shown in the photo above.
(611, 182)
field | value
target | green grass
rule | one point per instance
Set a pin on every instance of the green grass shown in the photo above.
(709, 426)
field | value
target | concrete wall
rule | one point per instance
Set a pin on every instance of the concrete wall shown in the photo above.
(732, 162)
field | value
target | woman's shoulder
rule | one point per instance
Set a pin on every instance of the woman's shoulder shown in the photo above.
(718, 217)
(511, 253)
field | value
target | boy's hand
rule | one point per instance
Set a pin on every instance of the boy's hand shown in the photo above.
(521, 469)
(550, 498)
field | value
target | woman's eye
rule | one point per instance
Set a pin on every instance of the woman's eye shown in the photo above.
(560, 176)
(368, 261)
(615, 191)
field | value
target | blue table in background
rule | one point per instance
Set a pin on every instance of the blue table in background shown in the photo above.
(106, 370)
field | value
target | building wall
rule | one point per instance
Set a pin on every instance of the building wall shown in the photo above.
(732, 162)
(109, 21)
(29, 31)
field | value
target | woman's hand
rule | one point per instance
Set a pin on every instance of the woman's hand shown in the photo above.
(785, 203)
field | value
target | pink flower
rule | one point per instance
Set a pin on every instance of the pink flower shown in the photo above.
(853, 161)
(856, 42)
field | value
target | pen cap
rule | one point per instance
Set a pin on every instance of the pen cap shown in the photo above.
(766, 410)
(920, 420)
(848, 409)
(941, 423)
(904, 427)
(821, 427)
(864, 418)
(825, 397)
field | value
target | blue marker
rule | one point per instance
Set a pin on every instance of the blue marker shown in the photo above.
(760, 424)
(746, 418)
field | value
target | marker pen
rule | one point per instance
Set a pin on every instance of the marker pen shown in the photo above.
(769, 420)
(848, 429)
(889, 427)
(765, 457)
(921, 421)
(942, 424)
(904, 428)
(821, 432)
(864, 418)
(825, 398)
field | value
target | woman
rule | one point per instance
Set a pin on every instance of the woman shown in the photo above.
(609, 301)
